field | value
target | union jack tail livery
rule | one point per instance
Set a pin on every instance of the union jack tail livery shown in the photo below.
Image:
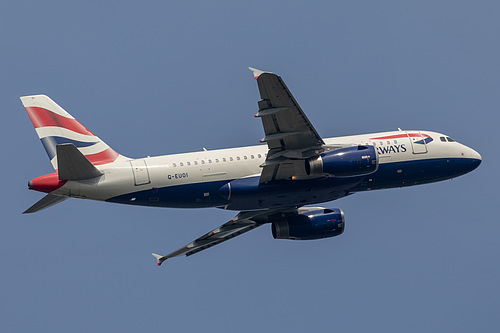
(55, 126)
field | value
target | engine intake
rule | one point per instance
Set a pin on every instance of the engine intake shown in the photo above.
(316, 224)
(344, 162)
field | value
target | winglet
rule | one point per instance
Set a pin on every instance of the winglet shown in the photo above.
(257, 72)
(159, 258)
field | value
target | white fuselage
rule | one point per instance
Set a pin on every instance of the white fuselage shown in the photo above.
(224, 165)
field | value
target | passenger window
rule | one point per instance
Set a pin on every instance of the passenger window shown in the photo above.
(188, 163)
(395, 142)
(209, 161)
(245, 157)
(443, 139)
(224, 159)
(195, 162)
(259, 156)
(174, 165)
(252, 157)
(202, 161)
(216, 160)
(181, 164)
(231, 159)
(238, 158)
(388, 143)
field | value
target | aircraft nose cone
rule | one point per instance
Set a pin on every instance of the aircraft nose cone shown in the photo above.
(475, 158)
(476, 155)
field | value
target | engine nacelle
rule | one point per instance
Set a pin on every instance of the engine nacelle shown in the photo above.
(316, 224)
(344, 162)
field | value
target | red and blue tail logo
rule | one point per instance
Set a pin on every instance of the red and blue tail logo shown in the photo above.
(55, 126)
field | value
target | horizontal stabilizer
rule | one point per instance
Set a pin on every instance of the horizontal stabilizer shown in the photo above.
(45, 202)
(73, 165)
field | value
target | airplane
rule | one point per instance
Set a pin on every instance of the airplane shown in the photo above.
(273, 183)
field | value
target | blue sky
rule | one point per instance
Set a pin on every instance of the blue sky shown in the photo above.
(156, 77)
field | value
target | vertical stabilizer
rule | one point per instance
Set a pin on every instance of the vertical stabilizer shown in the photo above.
(55, 126)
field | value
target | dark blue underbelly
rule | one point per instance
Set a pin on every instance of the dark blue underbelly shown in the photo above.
(247, 194)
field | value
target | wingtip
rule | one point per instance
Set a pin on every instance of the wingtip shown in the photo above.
(256, 72)
(158, 258)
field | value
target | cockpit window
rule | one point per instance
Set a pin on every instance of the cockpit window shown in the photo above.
(450, 139)
(443, 139)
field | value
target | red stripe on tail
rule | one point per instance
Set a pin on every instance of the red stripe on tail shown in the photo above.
(41, 117)
(104, 157)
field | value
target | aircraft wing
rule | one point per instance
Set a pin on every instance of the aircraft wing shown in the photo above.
(241, 223)
(290, 136)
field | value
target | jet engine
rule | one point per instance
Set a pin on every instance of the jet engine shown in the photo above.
(344, 162)
(316, 224)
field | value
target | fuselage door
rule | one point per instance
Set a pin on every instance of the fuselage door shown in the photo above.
(418, 144)
(141, 173)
